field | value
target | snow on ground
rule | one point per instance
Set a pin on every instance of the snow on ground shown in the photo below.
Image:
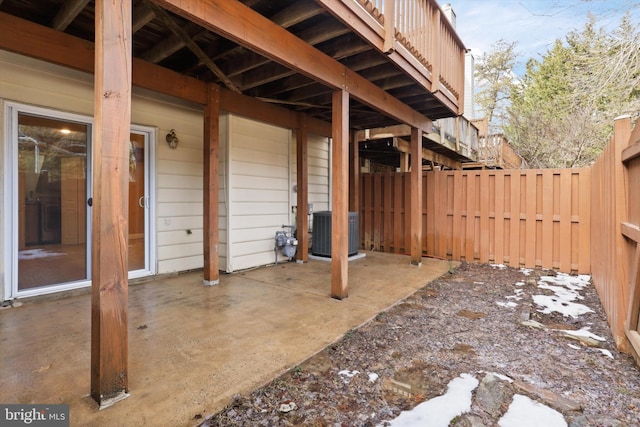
(566, 289)
(524, 412)
(347, 375)
(584, 332)
(439, 411)
(37, 253)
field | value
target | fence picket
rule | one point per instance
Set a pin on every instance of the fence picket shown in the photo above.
(512, 217)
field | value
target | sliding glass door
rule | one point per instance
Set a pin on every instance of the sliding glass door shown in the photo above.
(52, 200)
(50, 185)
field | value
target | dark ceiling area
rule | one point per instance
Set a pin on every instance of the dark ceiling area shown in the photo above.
(170, 41)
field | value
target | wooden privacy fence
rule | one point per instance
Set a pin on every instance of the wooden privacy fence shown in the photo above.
(521, 218)
(615, 232)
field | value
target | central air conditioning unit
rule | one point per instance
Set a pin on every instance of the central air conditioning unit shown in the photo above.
(322, 234)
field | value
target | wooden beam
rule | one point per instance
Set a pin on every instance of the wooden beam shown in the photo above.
(302, 183)
(339, 196)
(67, 13)
(416, 197)
(404, 147)
(27, 38)
(354, 174)
(248, 28)
(109, 266)
(142, 15)
(168, 46)
(193, 47)
(211, 169)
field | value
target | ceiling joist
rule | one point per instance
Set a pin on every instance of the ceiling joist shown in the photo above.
(193, 46)
(70, 9)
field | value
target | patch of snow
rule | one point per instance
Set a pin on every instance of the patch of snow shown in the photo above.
(347, 375)
(519, 283)
(566, 289)
(498, 266)
(566, 308)
(37, 253)
(584, 332)
(439, 411)
(515, 297)
(524, 412)
(575, 347)
(509, 304)
(526, 272)
(606, 352)
(373, 377)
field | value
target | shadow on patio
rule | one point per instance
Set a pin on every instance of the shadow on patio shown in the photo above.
(191, 348)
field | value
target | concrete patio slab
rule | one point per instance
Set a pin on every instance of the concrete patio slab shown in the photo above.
(192, 347)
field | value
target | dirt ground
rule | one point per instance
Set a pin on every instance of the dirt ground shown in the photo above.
(477, 320)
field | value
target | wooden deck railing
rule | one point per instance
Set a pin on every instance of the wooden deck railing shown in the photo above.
(418, 28)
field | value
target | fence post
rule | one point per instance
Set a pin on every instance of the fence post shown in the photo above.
(621, 135)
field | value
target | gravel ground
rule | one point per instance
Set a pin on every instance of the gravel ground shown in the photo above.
(459, 324)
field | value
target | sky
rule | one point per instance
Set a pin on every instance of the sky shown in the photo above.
(533, 24)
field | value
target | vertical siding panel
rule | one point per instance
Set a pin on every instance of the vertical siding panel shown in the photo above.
(387, 213)
(367, 207)
(499, 241)
(585, 222)
(514, 246)
(407, 212)
(430, 200)
(377, 210)
(530, 212)
(484, 216)
(547, 218)
(456, 231)
(449, 214)
(565, 220)
(397, 213)
(471, 217)
(426, 212)
(442, 213)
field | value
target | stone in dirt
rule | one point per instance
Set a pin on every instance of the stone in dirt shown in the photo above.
(492, 395)
(550, 398)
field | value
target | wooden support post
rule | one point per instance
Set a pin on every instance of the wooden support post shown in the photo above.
(302, 183)
(339, 196)
(416, 196)
(404, 162)
(354, 174)
(211, 186)
(389, 26)
(109, 290)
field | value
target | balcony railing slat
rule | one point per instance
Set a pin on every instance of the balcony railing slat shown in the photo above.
(421, 29)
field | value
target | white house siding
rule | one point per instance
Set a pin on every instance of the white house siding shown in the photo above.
(318, 155)
(178, 172)
(258, 183)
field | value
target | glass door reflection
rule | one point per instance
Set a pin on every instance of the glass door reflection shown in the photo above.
(52, 194)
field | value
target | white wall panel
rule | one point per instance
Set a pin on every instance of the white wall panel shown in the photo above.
(258, 190)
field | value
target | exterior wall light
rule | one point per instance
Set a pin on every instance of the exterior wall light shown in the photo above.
(172, 139)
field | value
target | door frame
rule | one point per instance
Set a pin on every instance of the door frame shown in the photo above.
(10, 200)
(150, 138)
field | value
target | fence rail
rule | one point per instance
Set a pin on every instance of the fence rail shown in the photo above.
(533, 218)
